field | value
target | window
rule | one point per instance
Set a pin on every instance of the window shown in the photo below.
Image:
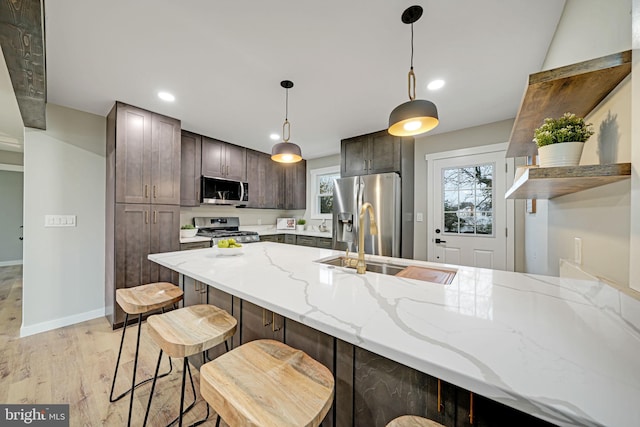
(322, 191)
(468, 196)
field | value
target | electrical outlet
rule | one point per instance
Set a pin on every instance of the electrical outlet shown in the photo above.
(577, 250)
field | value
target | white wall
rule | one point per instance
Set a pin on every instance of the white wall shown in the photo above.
(601, 217)
(491, 133)
(64, 173)
(10, 216)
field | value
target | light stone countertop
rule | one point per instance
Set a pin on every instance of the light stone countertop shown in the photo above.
(564, 350)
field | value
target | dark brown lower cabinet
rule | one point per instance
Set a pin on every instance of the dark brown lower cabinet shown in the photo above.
(318, 346)
(370, 390)
(258, 323)
(142, 229)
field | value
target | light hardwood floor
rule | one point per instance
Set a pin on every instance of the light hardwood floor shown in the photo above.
(75, 365)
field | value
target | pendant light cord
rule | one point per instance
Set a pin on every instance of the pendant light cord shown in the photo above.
(412, 45)
(286, 126)
(411, 78)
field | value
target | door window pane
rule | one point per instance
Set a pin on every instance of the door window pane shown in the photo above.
(468, 200)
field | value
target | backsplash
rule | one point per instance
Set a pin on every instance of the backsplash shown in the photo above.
(247, 216)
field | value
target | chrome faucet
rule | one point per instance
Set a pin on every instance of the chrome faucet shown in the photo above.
(361, 266)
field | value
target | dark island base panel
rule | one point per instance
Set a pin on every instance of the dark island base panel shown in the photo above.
(384, 389)
(371, 390)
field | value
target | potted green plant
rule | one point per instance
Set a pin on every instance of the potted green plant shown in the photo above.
(300, 225)
(188, 230)
(560, 141)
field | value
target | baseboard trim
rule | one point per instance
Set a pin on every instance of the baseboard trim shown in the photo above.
(25, 331)
(9, 263)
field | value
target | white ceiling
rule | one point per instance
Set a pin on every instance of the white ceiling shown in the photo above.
(224, 60)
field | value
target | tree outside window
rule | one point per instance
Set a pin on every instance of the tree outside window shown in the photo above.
(322, 181)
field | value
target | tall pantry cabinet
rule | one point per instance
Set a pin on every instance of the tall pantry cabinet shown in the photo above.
(142, 201)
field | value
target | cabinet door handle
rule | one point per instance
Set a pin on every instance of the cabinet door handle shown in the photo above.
(273, 323)
(155, 217)
(440, 405)
(195, 286)
(365, 166)
(155, 192)
(227, 170)
(264, 318)
(470, 407)
(146, 217)
(369, 164)
(146, 191)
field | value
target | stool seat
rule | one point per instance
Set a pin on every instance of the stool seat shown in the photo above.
(267, 383)
(191, 330)
(149, 297)
(413, 421)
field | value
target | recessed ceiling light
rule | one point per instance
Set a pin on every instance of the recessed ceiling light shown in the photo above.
(166, 96)
(435, 84)
(274, 136)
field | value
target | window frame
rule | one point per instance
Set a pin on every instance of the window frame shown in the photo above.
(314, 175)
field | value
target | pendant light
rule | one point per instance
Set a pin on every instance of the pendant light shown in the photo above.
(285, 151)
(415, 116)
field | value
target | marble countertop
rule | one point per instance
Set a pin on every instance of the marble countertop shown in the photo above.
(564, 350)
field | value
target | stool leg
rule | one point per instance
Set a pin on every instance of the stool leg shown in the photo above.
(135, 366)
(153, 387)
(184, 377)
(115, 373)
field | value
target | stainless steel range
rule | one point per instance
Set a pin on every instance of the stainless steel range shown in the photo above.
(223, 228)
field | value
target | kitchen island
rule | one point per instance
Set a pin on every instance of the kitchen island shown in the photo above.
(565, 351)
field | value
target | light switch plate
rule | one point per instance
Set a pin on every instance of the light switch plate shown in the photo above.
(419, 217)
(59, 220)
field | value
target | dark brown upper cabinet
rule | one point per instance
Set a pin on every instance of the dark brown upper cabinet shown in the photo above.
(147, 157)
(223, 160)
(373, 153)
(190, 170)
(265, 178)
(295, 185)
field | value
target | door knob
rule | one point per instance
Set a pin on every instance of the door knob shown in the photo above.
(440, 241)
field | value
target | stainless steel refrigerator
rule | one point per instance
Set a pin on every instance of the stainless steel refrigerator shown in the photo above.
(383, 191)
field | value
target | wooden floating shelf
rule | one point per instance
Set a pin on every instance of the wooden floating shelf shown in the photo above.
(547, 183)
(576, 88)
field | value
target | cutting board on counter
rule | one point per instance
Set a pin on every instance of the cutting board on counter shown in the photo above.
(427, 274)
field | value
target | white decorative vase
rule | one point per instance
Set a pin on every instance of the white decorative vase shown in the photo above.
(299, 227)
(560, 154)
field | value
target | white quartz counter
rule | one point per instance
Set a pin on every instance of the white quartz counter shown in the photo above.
(564, 350)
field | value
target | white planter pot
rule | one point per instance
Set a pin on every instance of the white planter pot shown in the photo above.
(299, 227)
(188, 233)
(561, 154)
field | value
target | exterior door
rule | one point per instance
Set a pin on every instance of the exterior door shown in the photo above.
(469, 212)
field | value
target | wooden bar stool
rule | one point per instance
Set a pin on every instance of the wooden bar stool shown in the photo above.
(141, 300)
(185, 332)
(413, 421)
(267, 383)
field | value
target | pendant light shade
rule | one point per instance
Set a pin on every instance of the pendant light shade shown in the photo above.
(415, 116)
(285, 151)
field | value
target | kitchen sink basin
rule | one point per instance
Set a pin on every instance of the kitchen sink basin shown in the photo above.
(434, 275)
(372, 266)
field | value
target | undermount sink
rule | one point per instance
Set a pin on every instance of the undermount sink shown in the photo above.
(372, 266)
(433, 275)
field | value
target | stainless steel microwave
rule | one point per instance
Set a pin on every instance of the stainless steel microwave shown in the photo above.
(219, 191)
